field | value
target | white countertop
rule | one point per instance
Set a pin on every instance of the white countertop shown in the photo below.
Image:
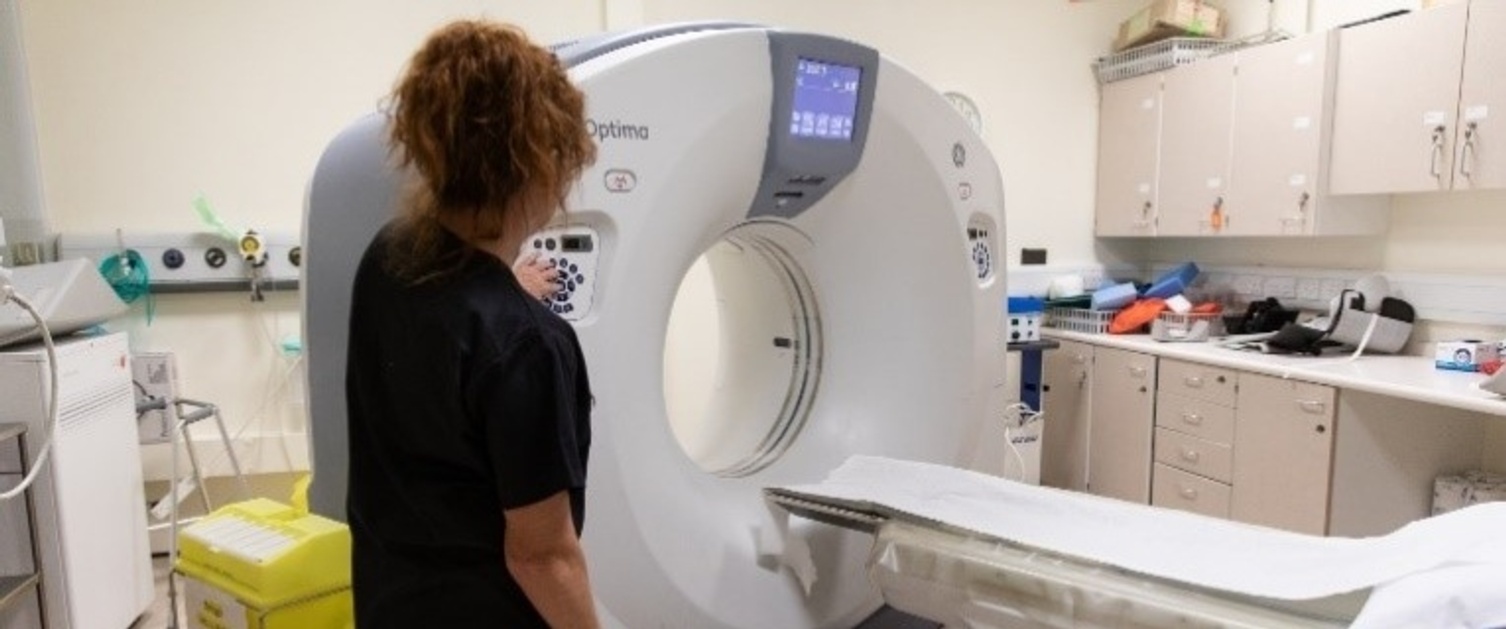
(1408, 377)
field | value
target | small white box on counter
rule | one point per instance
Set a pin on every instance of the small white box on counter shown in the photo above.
(1464, 355)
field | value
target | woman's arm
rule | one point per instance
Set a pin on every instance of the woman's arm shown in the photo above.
(544, 555)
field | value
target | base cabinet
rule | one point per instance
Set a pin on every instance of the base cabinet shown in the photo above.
(1283, 454)
(1122, 403)
(1188, 436)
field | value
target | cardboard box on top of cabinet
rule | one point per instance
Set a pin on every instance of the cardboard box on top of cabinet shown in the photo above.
(1170, 18)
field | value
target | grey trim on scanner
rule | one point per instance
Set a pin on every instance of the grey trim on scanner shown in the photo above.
(576, 52)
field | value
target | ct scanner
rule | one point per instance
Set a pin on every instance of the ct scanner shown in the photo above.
(851, 220)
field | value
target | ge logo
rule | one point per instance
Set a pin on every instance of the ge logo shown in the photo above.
(620, 180)
(959, 155)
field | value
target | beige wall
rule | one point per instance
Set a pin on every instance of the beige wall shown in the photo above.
(142, 104)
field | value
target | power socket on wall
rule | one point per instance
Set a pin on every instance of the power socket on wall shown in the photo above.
(1280, 287)
(155, 378)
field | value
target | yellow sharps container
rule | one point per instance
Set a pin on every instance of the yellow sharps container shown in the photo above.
(263, 565)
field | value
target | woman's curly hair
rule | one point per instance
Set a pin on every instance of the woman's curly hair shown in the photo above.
(497, 134)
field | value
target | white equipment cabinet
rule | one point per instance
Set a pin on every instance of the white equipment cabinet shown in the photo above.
(91, 515)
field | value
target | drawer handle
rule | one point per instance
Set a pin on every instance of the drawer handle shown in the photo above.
(1188, 493)
(1313, 406)
(1190, 456)
(1193, 382)
(1192, 419)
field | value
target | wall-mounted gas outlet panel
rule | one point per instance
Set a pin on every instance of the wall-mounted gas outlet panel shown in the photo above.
(195, 261)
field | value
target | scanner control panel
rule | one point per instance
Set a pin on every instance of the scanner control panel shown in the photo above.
(981, 252)
(572, 252)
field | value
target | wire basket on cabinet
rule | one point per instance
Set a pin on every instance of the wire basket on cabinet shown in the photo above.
(1192, 326)
(1080, 320)
(1169, 53)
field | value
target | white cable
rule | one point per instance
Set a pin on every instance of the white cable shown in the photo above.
(8, 294)
(1009, 439)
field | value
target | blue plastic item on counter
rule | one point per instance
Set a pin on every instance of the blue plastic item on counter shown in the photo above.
(1114, 297)
(1173, 282)
(1026, 304)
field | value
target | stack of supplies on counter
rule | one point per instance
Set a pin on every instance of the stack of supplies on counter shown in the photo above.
(1162, 306)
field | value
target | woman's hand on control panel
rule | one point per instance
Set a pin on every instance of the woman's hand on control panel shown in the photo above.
(537, 275)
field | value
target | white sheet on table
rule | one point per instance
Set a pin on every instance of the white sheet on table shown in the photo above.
(1180, 546)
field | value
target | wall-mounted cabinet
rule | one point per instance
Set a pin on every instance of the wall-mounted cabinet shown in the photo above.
(1129, 136)
(1242, 149)
(1195, 150)
(1414, 102)
(1281, 140)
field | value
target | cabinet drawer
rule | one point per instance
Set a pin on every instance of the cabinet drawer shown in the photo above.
(1195, 417)
(1174, 489)
(1185, 452)
(1200, 382)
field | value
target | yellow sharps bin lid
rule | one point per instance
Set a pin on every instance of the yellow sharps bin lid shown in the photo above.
(265, 553)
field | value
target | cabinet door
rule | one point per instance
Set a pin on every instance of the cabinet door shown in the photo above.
(1129, 131)
(1283, 454)
(1481, 162)
(1119, 439)
(1064, 442)
(1278, 119)
(1395, 100)
(1197, 114)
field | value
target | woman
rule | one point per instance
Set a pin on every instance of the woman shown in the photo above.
(469, 403)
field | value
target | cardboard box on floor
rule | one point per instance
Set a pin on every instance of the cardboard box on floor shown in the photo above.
(1170, 18)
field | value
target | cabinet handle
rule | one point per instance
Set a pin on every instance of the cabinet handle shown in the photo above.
(1188, 493)
(1438, 132)
(1193, 382)
(1314, 407)
(1300, 218)
(1192, 419)
(1145, 219)
(1467, 154)
(1190, 456)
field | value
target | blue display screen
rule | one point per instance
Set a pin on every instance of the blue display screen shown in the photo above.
(826, 100)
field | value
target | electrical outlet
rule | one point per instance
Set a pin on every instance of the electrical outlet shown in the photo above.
(155, 376)
(1281, 287)
(1248, 284)
(1309, 289)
